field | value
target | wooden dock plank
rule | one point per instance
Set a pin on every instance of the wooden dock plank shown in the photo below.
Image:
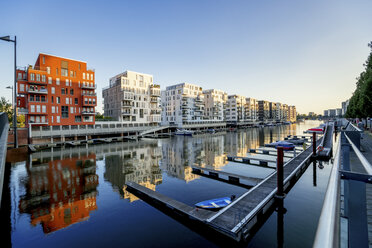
(246, 205)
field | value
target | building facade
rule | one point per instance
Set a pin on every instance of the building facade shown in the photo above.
(263, 110)
(182, 104)
(214, 104)
(56, 91)
(132, 97)
(235, 109)
(251, 109)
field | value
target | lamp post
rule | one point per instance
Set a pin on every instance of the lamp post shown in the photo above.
(14, 93)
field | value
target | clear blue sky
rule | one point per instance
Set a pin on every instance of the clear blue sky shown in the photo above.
(304, 53)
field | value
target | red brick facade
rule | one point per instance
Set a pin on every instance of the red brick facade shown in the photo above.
(57, 91)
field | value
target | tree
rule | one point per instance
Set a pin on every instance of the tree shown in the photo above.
(6, 107)
(360, 105)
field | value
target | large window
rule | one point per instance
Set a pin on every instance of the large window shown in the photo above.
(64, 111)
(78, 118)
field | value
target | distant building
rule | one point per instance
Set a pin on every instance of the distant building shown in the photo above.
(182, 104)
(263, 110)
(235, 108)
(332, 112)
(344, 106)
(292, 113)
(339, 112)
(326, 113)
(132, 97)
(214, 101)
(251, 109)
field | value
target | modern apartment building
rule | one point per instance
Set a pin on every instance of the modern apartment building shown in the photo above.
(292, 114)
(132, 97)
(235, 108)
(182, 104)
(251, 109)
(56, 91)
(214, 103)
(263, 110)
(273, 110)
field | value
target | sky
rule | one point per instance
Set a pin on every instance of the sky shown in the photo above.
(302, 53)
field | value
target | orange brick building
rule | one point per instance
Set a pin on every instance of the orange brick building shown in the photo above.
(56, 91)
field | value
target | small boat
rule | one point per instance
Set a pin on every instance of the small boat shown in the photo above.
(211, 130)
(315, 130)
(284, 144)
(184, 132)
(215, 203)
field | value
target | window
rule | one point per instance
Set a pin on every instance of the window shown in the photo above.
(53, 109)
(53, 90)
(52, 99)
(43, 78)
(56, 71)
(32, 76)
(67, 101)
(91, 76)
(64, 111)
(48, 70)
(52, 119)
(31, 98)
(83, 75)
(37, 77)
(38, 108)
(72, 92)
(32, 108)
(77, 118)
(71, 110)
(76, 101)
(57, 81)
(63, 91)
(58, 100)
(71, 73)
(49, 80)
(58, 119)
(66, 82)
(64, 72)
(21, 87)
(43, 99)
(43, 108)
(19, 75)
(43, 59)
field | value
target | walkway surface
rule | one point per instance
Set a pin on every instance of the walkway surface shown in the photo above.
(366, 149)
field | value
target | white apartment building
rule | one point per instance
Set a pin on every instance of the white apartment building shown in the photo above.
(251, 109)
(214, 102)
(235, 108)
(182, 104)
(133, 97)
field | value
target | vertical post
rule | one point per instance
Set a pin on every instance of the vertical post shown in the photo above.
(15, 94)
(314, 143)
(279, 172)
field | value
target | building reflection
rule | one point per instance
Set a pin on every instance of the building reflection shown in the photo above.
(60, 192)
(136, 162)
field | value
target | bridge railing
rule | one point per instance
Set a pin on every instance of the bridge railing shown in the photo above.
(4, 128)
(331, 223)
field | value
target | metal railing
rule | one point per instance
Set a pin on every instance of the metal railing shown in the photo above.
(4, 127)
(328, 233)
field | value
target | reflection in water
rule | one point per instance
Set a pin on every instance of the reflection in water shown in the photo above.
(60, 192)
(135, 162)
(60, 186)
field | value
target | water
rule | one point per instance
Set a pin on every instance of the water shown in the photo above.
(76, 197)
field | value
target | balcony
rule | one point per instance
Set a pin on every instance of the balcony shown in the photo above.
(88, 113)
(155, 91)
(91, 104)
(127, 104)
(88, 86)
(126, 113)
(128, 96)
(37, 82)
(153, 99)
(89, 94)
(41, 91)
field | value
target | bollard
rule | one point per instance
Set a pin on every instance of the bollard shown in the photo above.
(314, 144)
(279, 172)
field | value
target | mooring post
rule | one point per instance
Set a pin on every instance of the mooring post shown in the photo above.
(314, 143)
(279, 172)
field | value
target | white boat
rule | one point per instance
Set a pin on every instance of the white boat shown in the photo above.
(184, 132)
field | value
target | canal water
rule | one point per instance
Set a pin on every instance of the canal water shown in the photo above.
(76, 197)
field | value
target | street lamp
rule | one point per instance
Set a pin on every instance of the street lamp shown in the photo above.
(14, 93)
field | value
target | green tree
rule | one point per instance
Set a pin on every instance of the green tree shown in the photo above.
(360, 104)
(6, 107)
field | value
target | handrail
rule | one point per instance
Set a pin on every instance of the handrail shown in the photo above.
(367, 166)
(327, 234)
